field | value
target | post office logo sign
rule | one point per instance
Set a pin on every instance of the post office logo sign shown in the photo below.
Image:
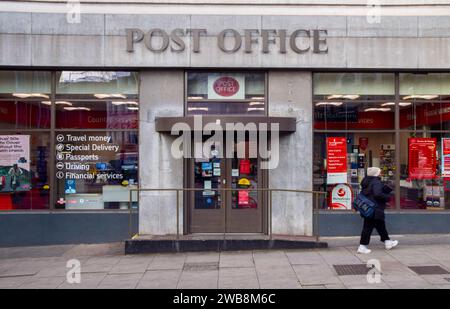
(226, 86)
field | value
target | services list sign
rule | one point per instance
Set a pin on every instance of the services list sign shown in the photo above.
(422, 158)
(336, 160)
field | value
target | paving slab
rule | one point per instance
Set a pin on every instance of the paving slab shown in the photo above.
(99, 264)
(132, 265)
(202, 257)
(270, 258)
(238, 278)
(42, 283)
(160, 279)
(123, 281)
(167, 261)
(305, 258)
(88, 281)
(339, 256)
(13, 282)
(288, 282)
(236, 259)
(200, 279)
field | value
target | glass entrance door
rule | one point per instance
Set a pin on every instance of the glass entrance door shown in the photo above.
(215, 210)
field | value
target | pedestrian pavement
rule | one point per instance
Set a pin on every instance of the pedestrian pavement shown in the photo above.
(105, 266)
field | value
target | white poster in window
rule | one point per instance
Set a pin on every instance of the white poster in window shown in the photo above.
(341, 197)
(15, 172)
(226, 87)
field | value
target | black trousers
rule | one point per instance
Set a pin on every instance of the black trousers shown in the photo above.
(369, 225)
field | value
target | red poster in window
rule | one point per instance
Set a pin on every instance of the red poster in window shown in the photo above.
(422, 158)
(336, 160)
(445, 157)
(363, 143)
(243, 198)
(244, 166)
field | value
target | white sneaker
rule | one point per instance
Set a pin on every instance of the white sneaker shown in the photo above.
(389, 244)
(363, 250)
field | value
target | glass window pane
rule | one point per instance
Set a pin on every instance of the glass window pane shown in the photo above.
(97, 100)
(22, 114)
(423, 85)
(354, 101)
(425, 101)
(362, 151)
(25, 84)
(424, 163)
(221, 108)
(247, 178)
(24, 170)
(354, 115)
(96, 170)
(354, 84)
(25, 99)
(98, 83)
(417, 115)
(97, 114)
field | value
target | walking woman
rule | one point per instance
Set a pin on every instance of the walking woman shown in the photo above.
(374, 189)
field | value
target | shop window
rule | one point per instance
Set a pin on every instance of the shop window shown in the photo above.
(96, 170)
(425, 101)
(225, 93)
(425, 170)
(25, 99)
(97, 100)
(341, 160)
(24, 170)
(354, 101)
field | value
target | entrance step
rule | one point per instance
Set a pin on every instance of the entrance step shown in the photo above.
(190, 243)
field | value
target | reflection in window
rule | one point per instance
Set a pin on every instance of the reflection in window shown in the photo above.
(425, 101)
(97, 100)
(25, 99)
(354, 101)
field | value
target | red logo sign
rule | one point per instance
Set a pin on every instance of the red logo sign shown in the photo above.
(341, 192)
(226, 86)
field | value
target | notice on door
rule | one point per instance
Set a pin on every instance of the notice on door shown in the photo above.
(336, 160)
(422, 158)
(15, 163)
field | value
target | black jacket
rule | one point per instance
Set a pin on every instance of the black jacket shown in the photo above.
(374, 189)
